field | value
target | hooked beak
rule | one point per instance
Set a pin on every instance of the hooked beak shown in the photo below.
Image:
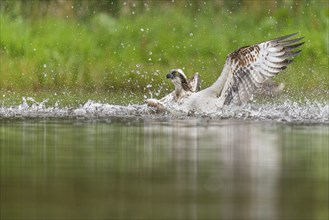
(170, 76)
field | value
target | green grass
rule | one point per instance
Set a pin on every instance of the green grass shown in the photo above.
(131, 54)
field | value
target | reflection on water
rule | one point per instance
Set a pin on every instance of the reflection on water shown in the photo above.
(171, 169)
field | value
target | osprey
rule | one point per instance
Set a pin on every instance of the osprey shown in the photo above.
(245, 71)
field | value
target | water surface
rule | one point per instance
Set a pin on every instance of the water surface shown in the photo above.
(142, 167)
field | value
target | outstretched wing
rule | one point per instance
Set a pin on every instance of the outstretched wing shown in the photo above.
(250, 66)
(194, 83)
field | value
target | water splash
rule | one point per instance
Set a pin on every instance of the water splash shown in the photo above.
(286, 111)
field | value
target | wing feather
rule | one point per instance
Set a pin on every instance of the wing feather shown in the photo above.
(290, 42)
(251, 66)
(194, 83)
(283, 37)
(258, 77)
(274, 64)
(290, 54)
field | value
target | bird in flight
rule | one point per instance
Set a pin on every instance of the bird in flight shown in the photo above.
(245, 70)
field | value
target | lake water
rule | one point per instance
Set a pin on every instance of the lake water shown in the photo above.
(88, 163)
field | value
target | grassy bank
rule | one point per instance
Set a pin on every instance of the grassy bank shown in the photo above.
(132, 53)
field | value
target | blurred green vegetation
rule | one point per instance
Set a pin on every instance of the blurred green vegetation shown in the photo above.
(129, 46)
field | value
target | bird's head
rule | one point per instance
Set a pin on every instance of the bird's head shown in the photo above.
(179, 80)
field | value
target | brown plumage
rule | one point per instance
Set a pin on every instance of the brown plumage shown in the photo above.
(253, 65)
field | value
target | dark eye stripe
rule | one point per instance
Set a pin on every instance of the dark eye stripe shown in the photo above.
(181, 77)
